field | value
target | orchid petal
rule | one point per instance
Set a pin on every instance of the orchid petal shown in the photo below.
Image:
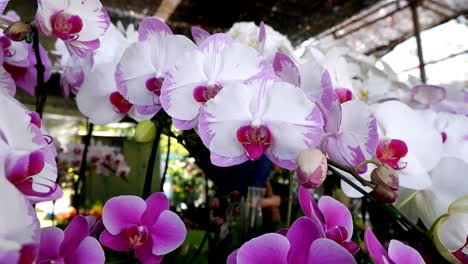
(145, 255)
(326, 251)
(156, 204)
(115, 242)
(51, 238)
(93, 97)
(76, 231)
(308, 205)
(150, 26)
(121, 212)
(428, 95)
(199, 35)
(286, 69)
(89, 251)
(167, 233)
(261, 38)
(401, 253)
(336, 214)
(376, 251)
(300, 243)
(269, 248)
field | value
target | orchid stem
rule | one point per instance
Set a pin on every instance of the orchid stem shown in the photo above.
(78, 198)
(290, 199)
(366, 162)
(150, 166)
(166, 164)
(41, 94)
(390, 209)
(200, 247)
(353, 172)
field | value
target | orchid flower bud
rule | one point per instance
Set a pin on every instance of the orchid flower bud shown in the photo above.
(384, 194)
(311, 168)
(18, 31)
(214, 203)
(384, 174)
(145, 131)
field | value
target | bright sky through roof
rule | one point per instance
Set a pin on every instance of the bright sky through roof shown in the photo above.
(438, 43)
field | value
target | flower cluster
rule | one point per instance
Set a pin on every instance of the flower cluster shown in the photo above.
(104, 159)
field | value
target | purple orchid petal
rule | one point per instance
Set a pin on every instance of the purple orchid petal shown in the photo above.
(121, 212)
(232, 258)
(199, 35)
(428, 95)
(326, 251)
(3, 4)
(51, 239)
(145, 255)
(376, 251)
(337, 234)
(401, 253)
(269, 248)
(88, 251)
(261, 38)
(115, 242)
(300, 243)
(308, 205)
(76, 231)
(286, 69)
(150, 25)
(336, 214)
(155, 205)
(168, 233)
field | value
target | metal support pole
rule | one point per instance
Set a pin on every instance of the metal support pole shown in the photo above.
(417, 33)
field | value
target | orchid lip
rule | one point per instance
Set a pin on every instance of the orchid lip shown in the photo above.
(120, 103)
(136, 235)
(154, 85)
(203, 93)
(66, 26)
(254, 139)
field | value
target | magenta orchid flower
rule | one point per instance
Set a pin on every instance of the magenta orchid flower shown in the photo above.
(201, 73)
(350, 129)
(73, 245)
(148, 227)
(245, 121)
(335, 218)
(390, 152)
(304, 242)
(397, 251)
(28, 152)
(142, 69)
(19, 226)
(79, 24)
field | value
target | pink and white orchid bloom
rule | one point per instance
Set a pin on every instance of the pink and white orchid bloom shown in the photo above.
(74, 68)
(246, 120)
(143, 67)
(398, 252)
(335, 218)
(99, 99)
(79, 24)
(28, 152)
(424, 145)
(303, 243)
(19, 226)
(350, 128)
(200, 74)
(439, 99)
